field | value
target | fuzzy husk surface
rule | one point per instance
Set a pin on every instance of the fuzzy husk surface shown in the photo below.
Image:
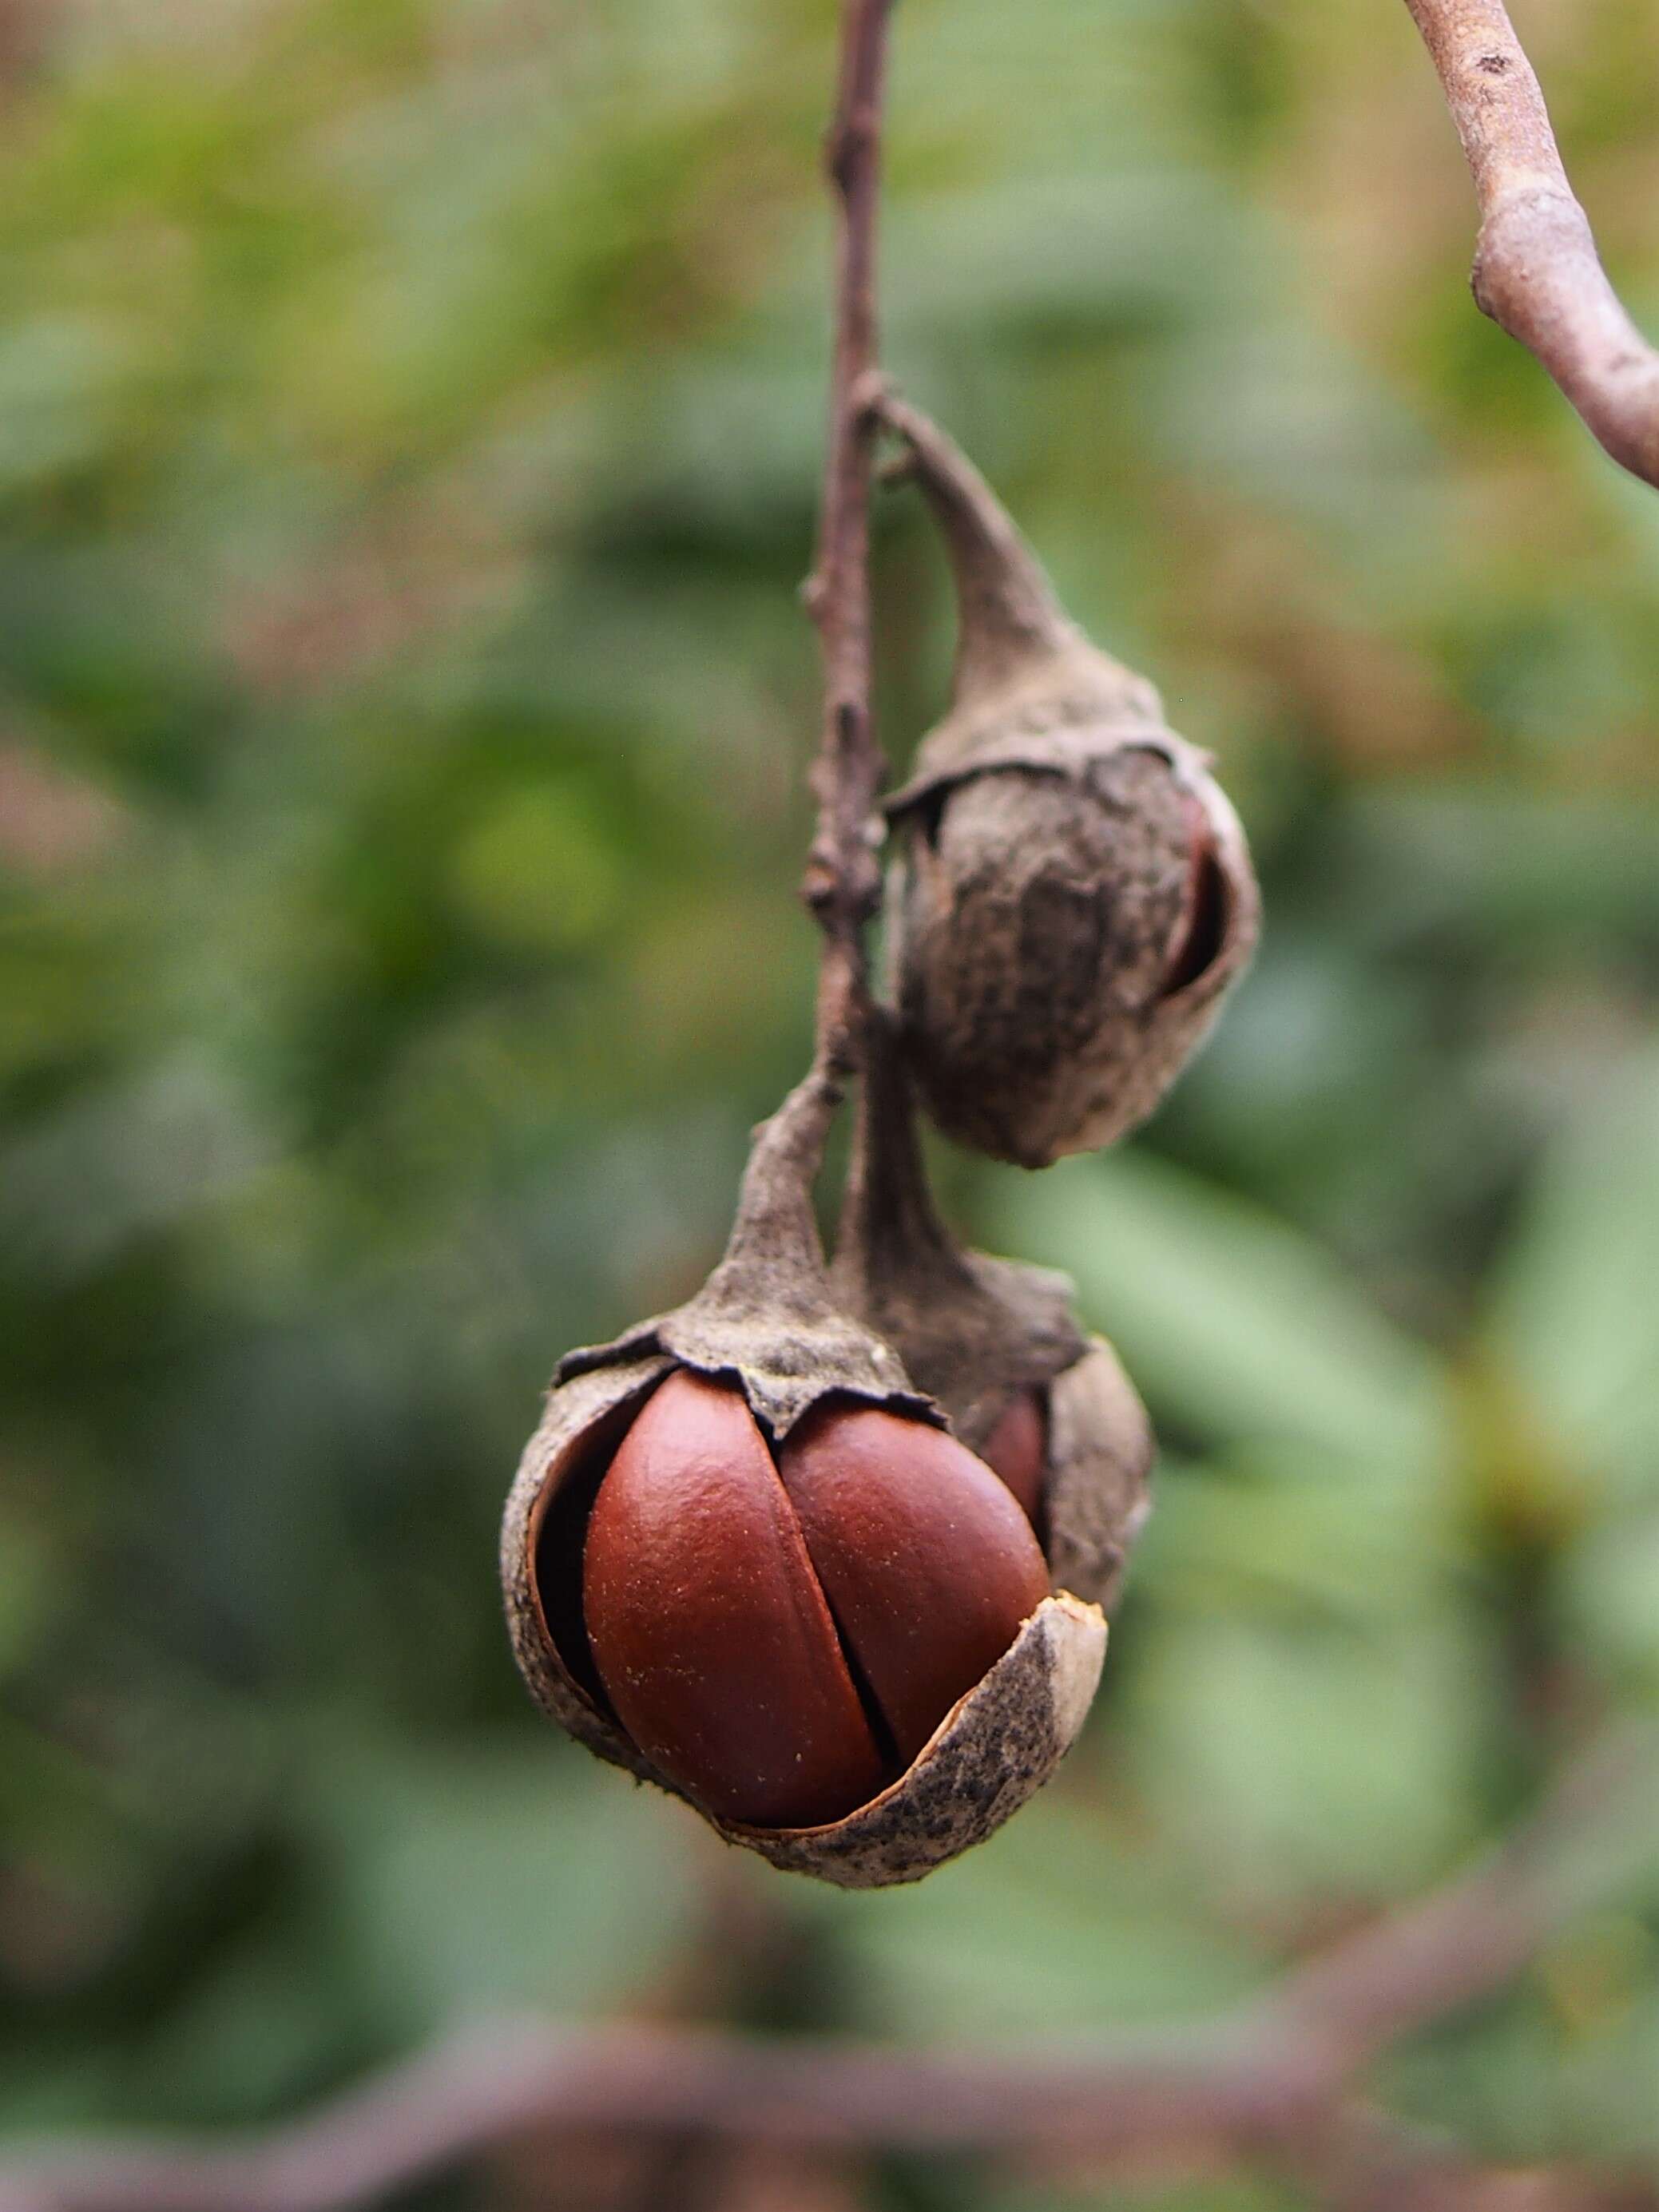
(1032, 912)
(1044, 871)
(1101, 1455)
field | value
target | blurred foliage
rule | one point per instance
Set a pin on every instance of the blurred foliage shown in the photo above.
(410, 416)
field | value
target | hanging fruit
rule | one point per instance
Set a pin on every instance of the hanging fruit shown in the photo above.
(1073, 894)
(744, 1558)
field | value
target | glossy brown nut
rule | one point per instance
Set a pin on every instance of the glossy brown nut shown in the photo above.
(708, 1626)
(1016, 1449)
(927, 1562)
(780, 1640)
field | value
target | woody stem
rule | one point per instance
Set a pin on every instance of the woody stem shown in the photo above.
(842, 882)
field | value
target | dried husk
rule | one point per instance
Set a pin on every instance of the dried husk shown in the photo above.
(972, 1330)
(994, 1749)
(1102, 1451)
(767, 1319)
(584, 1421)
(1046, 871)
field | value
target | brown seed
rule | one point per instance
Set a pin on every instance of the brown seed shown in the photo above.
(929, 1564)
(707, 1625)
(1018, 1451)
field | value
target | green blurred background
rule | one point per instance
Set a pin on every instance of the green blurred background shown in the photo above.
(410, 420)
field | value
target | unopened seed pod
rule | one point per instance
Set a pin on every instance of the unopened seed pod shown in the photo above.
(744, 1560)
(1073, 894)
(998, 1346)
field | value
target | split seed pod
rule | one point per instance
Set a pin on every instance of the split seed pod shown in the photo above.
(997, 1345)
(744, 1560)
(1073, 894)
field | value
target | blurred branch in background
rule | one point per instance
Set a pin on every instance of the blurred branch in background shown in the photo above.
(1372, 2164)
(1537, 273)
(20, 41)
(1273, 2081)
(51, 821)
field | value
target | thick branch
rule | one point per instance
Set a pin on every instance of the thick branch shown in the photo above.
(842, 883)
(1537, 270)
(1276, 2076)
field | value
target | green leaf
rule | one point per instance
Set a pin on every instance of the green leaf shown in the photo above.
(1229, 1320)
(1060, 1919)
(490, 1876)
(1574, 1316)
(1293, 1758)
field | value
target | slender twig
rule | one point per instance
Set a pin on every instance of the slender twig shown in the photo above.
(1536, 270)
(1274, 2078)
(842, 883)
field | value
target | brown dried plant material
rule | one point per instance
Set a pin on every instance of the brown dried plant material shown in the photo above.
(990, 1753)
(997, 1345)
(1074, 893)
(927, 1704)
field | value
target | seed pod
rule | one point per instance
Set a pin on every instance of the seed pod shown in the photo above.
(1049, 1409)
(743, 1559)
(1074, 893)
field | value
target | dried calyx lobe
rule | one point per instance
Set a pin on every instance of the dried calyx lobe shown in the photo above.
(744, 1560)
(1073, 894)
(996, 1345)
